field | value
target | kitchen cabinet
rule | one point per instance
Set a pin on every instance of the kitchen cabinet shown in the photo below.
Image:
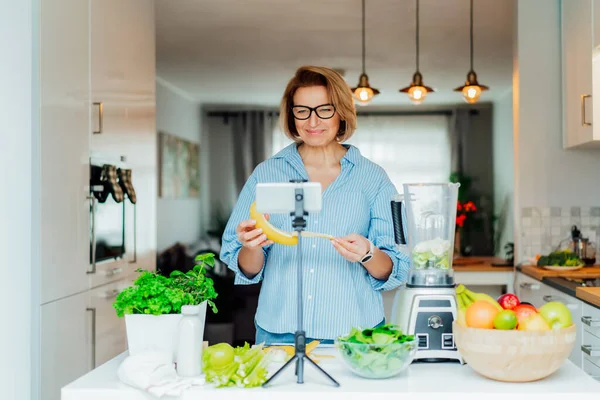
(580, 41)
(537, 293)
(98, 52)
(64, 145)
(109, 337)
(123, 118)
(66, 343)
(591, 340)
(78, 334)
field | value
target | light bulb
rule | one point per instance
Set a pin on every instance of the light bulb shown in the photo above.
(363, 95)
(417, 94)
(471, 93)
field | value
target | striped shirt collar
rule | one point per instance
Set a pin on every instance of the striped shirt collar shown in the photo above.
(290, 153)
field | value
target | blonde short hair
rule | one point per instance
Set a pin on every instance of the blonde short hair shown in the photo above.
(338, 90)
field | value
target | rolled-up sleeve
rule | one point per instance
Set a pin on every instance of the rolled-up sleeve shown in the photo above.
(381, 233)
(230, 245)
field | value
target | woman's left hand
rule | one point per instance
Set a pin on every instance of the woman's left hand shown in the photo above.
(352, 247)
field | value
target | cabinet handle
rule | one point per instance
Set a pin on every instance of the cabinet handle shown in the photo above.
(530, 286)
(100, 118)
(93, 310)
(114, 271)
(591, 322)
(134, 235)
(583, 121)
(111, 293)
(548, 299)
(93, 210)
(592, 351)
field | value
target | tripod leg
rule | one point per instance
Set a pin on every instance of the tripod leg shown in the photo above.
(300, 369)
(322, 371)
(294, 358)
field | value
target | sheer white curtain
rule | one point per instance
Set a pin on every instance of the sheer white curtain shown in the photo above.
(409, 148)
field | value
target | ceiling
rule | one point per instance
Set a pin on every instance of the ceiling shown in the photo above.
(244, 52)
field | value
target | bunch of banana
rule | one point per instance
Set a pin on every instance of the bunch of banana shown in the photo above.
(277, 235)
(465, 297)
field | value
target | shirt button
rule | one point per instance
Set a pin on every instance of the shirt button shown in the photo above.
(309, 297)
(312, 271)
(314, 245)
(316, 222)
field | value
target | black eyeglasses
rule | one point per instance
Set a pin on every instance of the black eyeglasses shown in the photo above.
(324, 111)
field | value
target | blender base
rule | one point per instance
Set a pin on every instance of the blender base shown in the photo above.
(427, 313)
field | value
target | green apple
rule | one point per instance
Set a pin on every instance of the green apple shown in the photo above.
(505, 320)
(556, 314)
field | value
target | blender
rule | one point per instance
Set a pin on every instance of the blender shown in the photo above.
(425, 305)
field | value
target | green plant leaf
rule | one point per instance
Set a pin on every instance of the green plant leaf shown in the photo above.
(156, 294)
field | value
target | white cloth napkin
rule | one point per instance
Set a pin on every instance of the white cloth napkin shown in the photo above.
(153, 371)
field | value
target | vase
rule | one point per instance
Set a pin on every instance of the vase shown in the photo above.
(158, 332)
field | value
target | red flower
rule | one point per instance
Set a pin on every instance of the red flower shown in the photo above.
(462, 210)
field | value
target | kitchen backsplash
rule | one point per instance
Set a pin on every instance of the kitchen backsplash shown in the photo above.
(543, 228)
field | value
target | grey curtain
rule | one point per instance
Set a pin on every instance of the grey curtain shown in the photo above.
(252, 136)
(459, 128)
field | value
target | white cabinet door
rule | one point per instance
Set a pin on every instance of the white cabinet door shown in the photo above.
(591, 335)
(64, 124)
(123, 82)
(66, 343)
(529, 289)
(577, 48)
(110, 338)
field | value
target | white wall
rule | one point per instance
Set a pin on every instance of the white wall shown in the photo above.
(503, 165)
(178, 220)
(19, 208)
(545, 174)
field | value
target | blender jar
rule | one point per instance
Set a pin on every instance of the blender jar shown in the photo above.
(427, 211)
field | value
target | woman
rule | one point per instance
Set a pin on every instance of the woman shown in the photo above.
(343, 277)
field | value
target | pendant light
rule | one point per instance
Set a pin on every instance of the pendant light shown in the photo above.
(471, 90)
(417, 90)
(363, 93)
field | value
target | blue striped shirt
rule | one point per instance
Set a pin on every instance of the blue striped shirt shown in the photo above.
(337, 294)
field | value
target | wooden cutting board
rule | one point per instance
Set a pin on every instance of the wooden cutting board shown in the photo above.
(589, 294)
(539, 273)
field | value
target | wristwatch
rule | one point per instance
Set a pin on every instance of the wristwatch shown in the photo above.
(369, 254)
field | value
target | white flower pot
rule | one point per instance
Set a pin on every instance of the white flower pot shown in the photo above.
(156, 331)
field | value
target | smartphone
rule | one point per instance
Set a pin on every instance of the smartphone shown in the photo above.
(280, 197)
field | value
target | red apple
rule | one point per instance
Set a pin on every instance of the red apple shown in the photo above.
(508, 301)
(523, 311)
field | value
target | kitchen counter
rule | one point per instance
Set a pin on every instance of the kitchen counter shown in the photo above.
(422, 380)
(590, 295)
(571, 284)
(483, 271)
(480, 264)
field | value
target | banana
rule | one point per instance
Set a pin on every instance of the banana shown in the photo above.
(461, 310)
(462, 317)
(460, 302)
(272, 233)
(277, 235)
(478, 296)
(467, 301)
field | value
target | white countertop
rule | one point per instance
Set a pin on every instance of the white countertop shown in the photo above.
(420, 381)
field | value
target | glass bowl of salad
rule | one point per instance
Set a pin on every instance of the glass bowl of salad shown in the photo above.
(377, 353)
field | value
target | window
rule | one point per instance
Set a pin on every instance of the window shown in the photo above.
(409, 148)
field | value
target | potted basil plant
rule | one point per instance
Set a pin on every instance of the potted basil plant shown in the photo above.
(152, 306)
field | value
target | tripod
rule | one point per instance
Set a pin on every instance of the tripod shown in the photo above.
(299, 223)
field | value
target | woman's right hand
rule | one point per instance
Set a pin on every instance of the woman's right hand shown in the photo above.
(250, 236)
